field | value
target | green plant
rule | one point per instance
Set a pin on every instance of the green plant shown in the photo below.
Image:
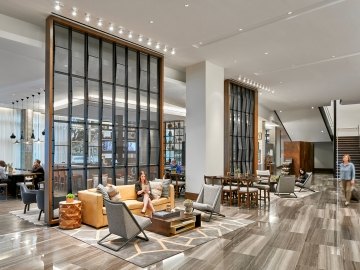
(70, 196)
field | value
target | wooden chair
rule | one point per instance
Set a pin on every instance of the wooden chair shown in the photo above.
(229, 190)
(179, 184)
(247, 193)
(263, 184)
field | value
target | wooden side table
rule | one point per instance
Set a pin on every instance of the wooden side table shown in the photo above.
(69, 215)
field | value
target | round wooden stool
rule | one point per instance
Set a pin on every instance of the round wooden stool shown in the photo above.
(69, 215)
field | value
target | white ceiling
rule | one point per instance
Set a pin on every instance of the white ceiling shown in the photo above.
(314, 53)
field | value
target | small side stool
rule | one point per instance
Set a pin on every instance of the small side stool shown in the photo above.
(4, 186)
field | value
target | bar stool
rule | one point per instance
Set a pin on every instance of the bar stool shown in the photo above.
(4, 186)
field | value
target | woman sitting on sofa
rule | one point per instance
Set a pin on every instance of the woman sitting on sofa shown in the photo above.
(142, 188)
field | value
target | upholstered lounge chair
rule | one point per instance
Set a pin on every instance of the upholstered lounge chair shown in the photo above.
(27, 196)
(208, 200)
(286, 185)
(306, 184)
(124, 224)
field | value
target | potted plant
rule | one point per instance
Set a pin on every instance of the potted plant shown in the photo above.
(70, 198)
(188, 206)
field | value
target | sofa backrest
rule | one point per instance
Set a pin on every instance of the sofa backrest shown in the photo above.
(127, 192)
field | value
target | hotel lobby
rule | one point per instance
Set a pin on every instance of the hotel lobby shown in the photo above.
(219, 104)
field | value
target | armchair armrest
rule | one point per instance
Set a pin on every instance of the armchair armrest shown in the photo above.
(92, 205)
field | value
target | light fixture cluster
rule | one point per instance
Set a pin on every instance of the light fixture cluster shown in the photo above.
(117, 30)
(262, 88)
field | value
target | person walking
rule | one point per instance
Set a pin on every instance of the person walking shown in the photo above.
(347, 176)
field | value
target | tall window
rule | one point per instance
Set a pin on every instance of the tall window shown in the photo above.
(106, 116)
(241, 125)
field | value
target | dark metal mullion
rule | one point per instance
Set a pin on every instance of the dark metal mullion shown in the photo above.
(138, 71)
(126, 161)
(158, 114)
(69, 184)
(100, 112)
(148, 112)
(114, 148)
(86, 107)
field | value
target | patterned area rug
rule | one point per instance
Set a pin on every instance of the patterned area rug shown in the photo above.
(32, 215)
(145, 253)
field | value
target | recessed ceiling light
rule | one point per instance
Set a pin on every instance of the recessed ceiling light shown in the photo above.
(121, 31)
(74, 12)
(157, 45)
(240, 29)
(322, 131)
(87, 17)
(290, 12)
(111, 27)
(273, 92)
(266, 53)
(57, 5)
(165, 48)
(187, 5)
(256, 74)
(333, 56)
(151, 21)
(312, 107)
(130, 35)
(100, 22)
(280, 111)
(260, 93)
(149, 42)
(173, 51)
(200, 43)
(281, 82)
(140, 39)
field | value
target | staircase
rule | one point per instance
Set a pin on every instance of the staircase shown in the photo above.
(349, 145)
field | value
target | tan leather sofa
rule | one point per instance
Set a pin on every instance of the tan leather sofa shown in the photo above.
(94, 213)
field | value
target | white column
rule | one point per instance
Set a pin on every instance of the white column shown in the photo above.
(204, 123)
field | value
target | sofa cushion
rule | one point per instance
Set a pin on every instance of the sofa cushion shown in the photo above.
(101, 189)
(133, 204)
(156, 189)
(127, 192)
(160, 201)
(166, 187)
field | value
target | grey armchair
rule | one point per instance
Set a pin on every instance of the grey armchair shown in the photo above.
(124, 224)
(306, 184)
(286, 185)
(208, 200)
(27, 196)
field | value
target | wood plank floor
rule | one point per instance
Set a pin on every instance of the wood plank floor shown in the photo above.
(316, 232)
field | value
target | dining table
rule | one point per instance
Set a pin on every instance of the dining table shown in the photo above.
(18, 176)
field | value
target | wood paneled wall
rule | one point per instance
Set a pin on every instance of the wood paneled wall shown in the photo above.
(302, 155)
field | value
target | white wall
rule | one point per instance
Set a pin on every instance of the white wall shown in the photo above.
(323, 155)
(348, 120)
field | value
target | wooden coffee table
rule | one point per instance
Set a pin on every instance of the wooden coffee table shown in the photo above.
(174, 225)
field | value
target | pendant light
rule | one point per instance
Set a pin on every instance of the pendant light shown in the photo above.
(32, 134)
(17, 106)
(12, 136)
(38, 119)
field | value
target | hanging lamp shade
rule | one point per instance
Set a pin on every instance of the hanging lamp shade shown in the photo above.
(43, 132)
(32, 135)
(12, 136)
(22, 135)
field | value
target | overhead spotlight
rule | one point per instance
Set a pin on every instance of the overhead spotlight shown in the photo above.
(57, 5)
(140, 39)
(290, 12)
(149, 42)
(260, 93)
(157, 45)
(100, 22)
(87, 17)
(165, 48)
(187, 5)
(111, 27)
(130, 34)
(121, 31)
(273, 92)
(173, 51)
(312, 107)
(151, 22)
(74, 12)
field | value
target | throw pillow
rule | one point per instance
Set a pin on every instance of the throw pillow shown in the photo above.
(101, 189)
(166, 186)
(156, 189)
(113, 193)
(116, 198)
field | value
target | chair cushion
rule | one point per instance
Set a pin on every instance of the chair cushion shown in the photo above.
(227, 188)
(156, 189)
(202, 206)
(101, 189)
(262, 187)
(166, 186)
(142, 221)
(251, 189)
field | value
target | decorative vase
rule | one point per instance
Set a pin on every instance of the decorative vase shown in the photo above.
(188, 204)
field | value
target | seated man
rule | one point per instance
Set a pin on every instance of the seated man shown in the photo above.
(175, 167)
(37, 168)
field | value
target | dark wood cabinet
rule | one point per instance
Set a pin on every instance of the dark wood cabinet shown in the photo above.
(302, 155)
